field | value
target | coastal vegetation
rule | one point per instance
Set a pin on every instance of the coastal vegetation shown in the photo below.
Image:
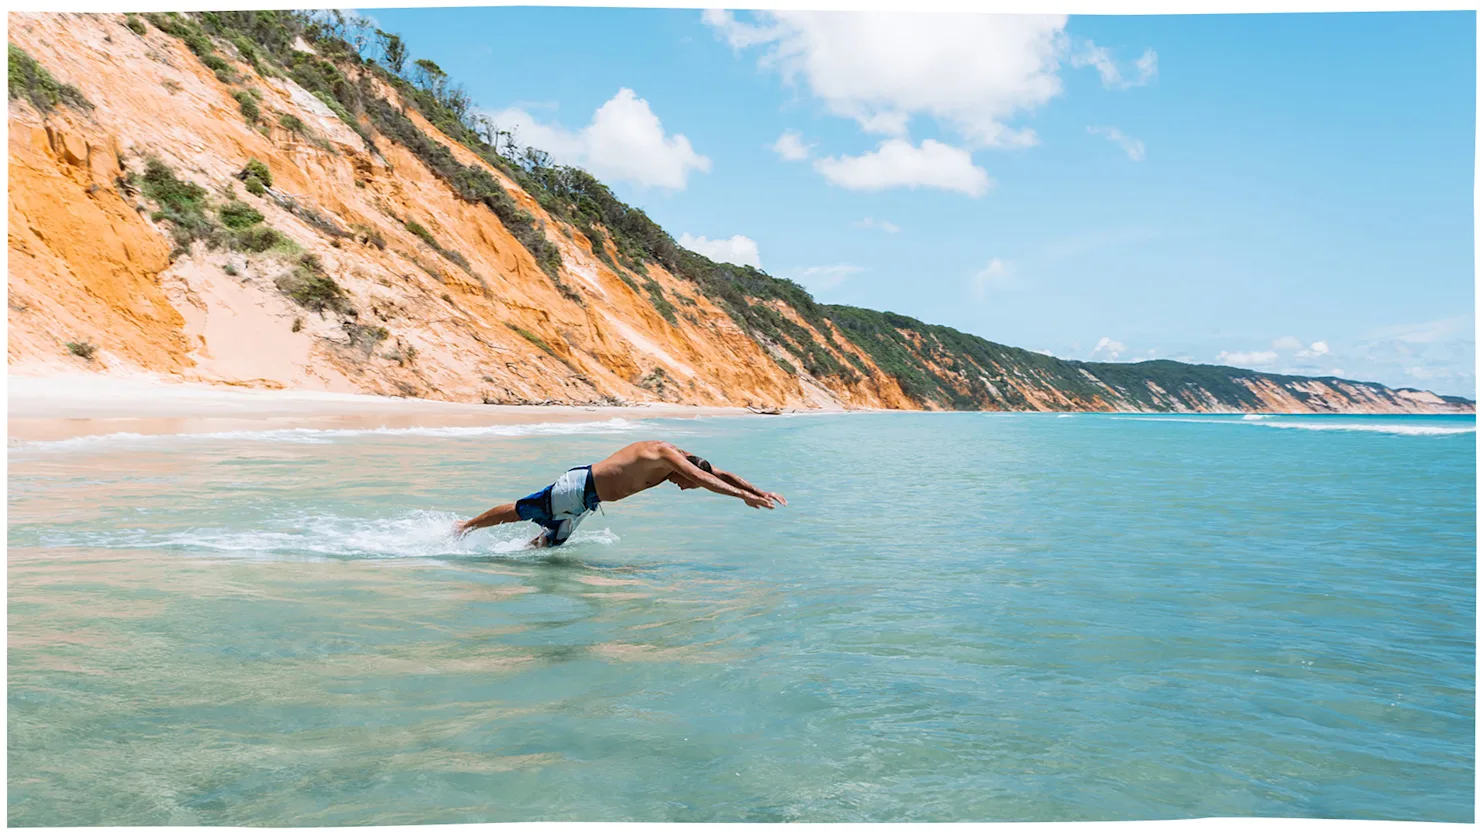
(369, 80)
(32, 82)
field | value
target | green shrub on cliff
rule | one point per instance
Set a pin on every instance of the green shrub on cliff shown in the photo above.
(532, 339)
(239, 215)
(421, 231)
(181, 204)
(31, 81)
(250, 111)
(82, 349)
(258, 239)
(308, 285)
(256, 168)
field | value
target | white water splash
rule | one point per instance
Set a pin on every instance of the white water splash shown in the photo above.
(416, 534)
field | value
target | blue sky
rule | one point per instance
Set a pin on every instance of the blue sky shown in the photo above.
(1292, 193)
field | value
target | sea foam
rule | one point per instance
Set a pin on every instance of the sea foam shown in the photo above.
(1398, 428)
(416, 534)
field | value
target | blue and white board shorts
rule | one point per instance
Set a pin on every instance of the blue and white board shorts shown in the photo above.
(561, 506)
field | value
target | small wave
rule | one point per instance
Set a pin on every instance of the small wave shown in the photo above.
(1402, 429)
(1254, 417)
(416, 534)
(1406, 430)
(322, 436)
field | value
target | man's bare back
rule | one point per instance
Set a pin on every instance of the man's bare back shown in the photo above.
(632, 469)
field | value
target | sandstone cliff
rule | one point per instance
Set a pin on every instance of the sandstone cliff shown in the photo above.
(242, 198)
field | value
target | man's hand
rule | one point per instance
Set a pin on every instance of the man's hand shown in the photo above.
(776, 496)
(759, 502)
(460, 530)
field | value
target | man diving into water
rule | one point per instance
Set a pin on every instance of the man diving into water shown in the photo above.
(561, 506)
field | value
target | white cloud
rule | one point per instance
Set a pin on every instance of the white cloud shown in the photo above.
(1286, 343)
(739, 250)
(1426, 373)
(1108, 349)
(1134, 148)
(822, 278)
(1314, 351)
(1462, 326)
(624, 141)
(998, 274)
(1255, 358)
(881, 225)
(1044, 352)
(1110, 75)
(791, 148)
(971, 71)
(1338, 372)
(899, 164)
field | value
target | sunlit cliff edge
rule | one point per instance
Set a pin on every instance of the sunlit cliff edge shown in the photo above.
(244, 198)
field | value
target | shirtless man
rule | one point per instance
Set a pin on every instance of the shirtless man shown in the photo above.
(561, 506)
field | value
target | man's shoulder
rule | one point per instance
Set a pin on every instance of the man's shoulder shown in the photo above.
(644, 448)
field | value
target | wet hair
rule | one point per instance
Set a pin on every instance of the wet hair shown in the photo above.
(701, 463)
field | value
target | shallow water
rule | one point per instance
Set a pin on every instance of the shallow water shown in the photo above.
(960, 617)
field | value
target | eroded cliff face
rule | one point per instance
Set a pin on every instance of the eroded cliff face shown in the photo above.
(89, 265)
(461, 311)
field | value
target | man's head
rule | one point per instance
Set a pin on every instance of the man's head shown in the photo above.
(682, 482)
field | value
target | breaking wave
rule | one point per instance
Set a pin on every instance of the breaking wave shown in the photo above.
(1409, 429)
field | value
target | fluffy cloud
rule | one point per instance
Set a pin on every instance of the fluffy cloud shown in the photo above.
(624, 141)
(1317, 348)
(974, 72)
(739, 250)
(899, 164)
(1108, 349)
(791, 148)
(1134, 148)
(998, 274)
(1254, 358)
(1286, 343)
(881, 225)
(1110, 75)
(823, 278)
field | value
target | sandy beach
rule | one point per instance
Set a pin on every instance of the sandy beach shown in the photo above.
(61, 407)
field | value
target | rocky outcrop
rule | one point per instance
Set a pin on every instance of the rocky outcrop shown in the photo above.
(425, 291)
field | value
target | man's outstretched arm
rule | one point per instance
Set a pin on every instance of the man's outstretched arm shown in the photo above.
(739, 482)
(680, 462)
(501, 514)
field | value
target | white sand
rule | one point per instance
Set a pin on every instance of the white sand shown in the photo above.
(59, 407)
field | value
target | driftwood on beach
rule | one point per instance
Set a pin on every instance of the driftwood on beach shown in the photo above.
(767, 411)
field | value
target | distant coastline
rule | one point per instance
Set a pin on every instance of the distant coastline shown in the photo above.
(60, 407)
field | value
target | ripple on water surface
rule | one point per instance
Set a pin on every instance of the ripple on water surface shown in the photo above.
(960, 617)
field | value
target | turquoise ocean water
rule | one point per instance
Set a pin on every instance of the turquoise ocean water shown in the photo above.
(961, 617)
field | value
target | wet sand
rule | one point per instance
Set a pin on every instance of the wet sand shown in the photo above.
(61, 407)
